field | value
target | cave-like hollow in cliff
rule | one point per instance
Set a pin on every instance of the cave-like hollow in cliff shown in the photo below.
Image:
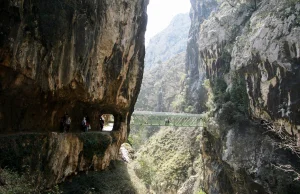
(25, 107)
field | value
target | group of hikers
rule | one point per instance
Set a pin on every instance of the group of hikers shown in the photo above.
(65, 123)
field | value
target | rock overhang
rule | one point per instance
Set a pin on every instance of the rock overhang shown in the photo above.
(70, 58)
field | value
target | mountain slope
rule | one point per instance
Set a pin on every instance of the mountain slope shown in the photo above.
(169, 42)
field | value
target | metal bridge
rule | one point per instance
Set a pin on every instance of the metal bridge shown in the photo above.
(147, 118)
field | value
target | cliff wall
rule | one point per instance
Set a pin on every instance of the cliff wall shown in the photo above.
(248, 52)
(163, 82)
(50, 158)
(200, 11)
(77, 57)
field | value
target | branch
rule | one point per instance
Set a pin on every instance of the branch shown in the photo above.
(287, 141)
(288, 168)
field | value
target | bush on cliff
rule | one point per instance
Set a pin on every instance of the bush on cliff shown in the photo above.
(231, 106)
(94, 145)
(13, 182)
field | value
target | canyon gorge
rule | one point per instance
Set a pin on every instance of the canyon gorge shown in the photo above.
(236, 62)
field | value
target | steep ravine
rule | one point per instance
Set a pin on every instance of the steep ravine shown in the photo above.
(163, 85)
(242, 68)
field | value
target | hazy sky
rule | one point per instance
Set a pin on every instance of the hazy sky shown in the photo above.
(161, 12)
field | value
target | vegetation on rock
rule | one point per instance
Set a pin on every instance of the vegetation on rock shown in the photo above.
(95, 145)
(12, 182)
(168, 158)
(117, 179)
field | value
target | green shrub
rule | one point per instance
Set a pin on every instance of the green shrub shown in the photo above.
(239, 96)
(21, 183)
(201, 192)
(15, 183)
(146, 172)
(94, 144)
(232, 106)
(219, 92)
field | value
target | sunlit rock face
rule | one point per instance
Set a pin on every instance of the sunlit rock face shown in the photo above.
(262, 42)
(259, 42)
(200, 11)
(79, 57)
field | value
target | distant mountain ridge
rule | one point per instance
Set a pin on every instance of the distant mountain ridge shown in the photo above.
(169, 42)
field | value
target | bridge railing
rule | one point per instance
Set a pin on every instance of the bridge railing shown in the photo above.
(146, 118)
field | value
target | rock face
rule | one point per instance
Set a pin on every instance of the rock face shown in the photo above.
(168, 43)
(163, 86)
(200, 11)
(256, 42)
(79, 57)
(76, 57)
(54, 156)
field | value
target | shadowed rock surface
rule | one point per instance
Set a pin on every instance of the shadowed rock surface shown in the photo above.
(53, 157)
(75, 57)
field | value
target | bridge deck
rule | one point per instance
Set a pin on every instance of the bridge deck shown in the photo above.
(147, 118)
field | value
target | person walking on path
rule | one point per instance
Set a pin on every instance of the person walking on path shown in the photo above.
(101, 122)
(88, 123)
(68, 124)
(83, 125)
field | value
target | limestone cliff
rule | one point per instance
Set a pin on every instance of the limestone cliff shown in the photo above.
(76, 57)
(249, 53)
(79, 57)
(200, 11)
(51, 158)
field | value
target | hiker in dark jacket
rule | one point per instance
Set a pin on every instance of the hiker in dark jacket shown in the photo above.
(101, 122)
(68, 124)
(83, 125)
